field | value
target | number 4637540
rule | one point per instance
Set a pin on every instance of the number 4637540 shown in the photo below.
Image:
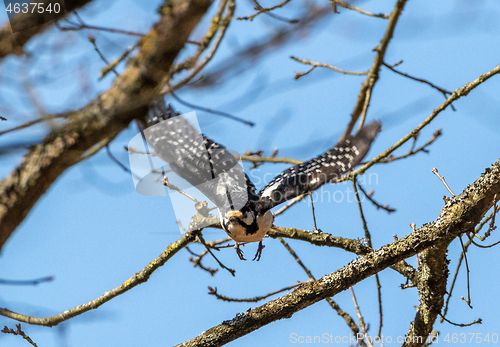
(34, 7)
(471, 338)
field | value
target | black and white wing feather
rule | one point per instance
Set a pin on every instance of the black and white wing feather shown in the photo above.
(205, 164)
(328, 167)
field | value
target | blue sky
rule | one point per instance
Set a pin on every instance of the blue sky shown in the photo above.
(92, 231)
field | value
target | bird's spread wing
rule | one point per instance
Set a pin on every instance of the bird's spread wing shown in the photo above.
(205, 164)
(328, 167)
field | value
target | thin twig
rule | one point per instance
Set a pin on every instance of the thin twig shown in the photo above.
(96, 148)
(435, 172)
(380, 310)
(414, 151)
(261, 159)
(300, 74)
(92, 41)
(113, 158)
(261, 9)
(271, 14)
(216, 244)
(450, 292)
(328, 66)
(468, 300)
(231, 271)
(26, 282)
(205, 109)
(213, 291)
(290, 204)
(492, 223)
(33, 95)
(169, 185)
(33, 122)
(112, 66)
(483, 223)
(18, 331)
(197, 261)
(350, 7)
(82, 25)
(105, 143)
(377, 205)
(297, 259)
(477, 321)
(362, 215)
(369, 242)
(313, 214)
(360, 318)
(478, 245)
(133, 150)
(441, 90)
(257, 154)
(203, 44)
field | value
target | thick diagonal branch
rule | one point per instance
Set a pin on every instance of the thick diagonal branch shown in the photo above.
(431, 285)
(349, 245)
(103, 118)
(460, 214)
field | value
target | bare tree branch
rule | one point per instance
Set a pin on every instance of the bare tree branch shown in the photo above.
(259, 159)
(441, 90)
(372, 78)
(457, 94)
(328, 66)
(13, 43)
(251, 54)
(354, 8)
(106, 116)
(261, 9)
(213, 291)
(219, 25)
(34, 282)
(138, 278)
(414, 150)
(19, 332)
(349, 245)
(347, 318)
(460, 214)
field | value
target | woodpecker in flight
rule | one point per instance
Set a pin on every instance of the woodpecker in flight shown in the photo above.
(245, 214)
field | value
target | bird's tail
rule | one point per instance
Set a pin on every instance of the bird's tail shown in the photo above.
(362, 140)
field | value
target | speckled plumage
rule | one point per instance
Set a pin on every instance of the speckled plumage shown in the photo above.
(210, 167)
(328, 167)
(202, 162)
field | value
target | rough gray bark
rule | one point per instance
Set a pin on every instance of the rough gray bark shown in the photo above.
(460, 214)
(103, 118)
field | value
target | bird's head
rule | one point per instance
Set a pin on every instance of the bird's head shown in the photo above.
(246, 225)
